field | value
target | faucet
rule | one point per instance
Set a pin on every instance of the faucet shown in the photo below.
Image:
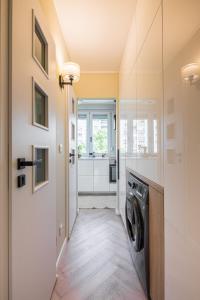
(92, 154)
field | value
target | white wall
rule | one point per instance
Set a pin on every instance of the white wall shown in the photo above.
(3, 152)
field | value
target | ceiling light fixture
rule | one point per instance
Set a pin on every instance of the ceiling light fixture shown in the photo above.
(70, 73)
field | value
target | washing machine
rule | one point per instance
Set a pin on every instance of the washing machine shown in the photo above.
(137, 223)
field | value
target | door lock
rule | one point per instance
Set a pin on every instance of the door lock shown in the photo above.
(22, 163)
(72, 156)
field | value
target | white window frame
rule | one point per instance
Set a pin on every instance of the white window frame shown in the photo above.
(87, 133)
(108, 114)
(111, 137)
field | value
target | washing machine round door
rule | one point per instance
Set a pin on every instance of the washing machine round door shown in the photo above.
(130, 217)
(137, 226)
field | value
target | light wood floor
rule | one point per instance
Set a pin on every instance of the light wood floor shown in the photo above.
(96, 264)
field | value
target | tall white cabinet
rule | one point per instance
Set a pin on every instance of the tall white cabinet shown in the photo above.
(159, 128)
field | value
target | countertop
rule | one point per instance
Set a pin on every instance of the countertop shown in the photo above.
(96, 158)
(151, 183)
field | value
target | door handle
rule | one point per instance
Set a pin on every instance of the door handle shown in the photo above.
(22, 163)
(71, 154)
(118, 166)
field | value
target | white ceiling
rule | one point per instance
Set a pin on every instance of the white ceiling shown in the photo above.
(95, 31)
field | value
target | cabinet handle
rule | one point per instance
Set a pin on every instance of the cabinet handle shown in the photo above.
(118, 164)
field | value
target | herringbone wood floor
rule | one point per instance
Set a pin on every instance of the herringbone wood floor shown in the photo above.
(96, 264)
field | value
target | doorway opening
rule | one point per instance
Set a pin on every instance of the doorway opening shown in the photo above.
(97, 159)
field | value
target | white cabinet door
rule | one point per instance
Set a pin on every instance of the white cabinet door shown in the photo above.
(85, 167)
(101, 183)
(85, 183)
(101, 167)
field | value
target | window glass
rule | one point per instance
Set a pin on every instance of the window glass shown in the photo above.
(82, 134)
(100, 133)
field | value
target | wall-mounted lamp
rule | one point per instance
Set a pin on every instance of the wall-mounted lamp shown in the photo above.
(191, 72)
(70, 73)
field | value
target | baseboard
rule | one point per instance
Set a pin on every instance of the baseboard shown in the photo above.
(97, 193)
(61, 252)
(97, 202)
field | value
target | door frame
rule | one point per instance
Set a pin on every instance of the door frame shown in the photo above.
(67, 128)
(117, 210)
(4, 121)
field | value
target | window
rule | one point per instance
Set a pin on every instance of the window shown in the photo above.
(82, 134)
(100, 133)
(96, 133)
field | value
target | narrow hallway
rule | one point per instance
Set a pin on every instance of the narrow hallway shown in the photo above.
(96, 263)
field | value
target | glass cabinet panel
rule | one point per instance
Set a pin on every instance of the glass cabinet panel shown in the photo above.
(40, 46)
(40, 107)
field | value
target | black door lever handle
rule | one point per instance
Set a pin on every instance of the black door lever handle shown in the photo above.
(22, 163)
(71, 154)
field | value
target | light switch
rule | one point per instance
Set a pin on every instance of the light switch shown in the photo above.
(60, 147)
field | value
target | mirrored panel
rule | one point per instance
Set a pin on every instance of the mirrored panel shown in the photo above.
(40, 46)
(40, 107)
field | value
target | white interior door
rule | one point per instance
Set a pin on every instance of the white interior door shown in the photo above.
(72, 176)
(33, 138)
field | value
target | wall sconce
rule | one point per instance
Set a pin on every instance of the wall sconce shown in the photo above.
(191, 72)
(70, 73)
